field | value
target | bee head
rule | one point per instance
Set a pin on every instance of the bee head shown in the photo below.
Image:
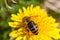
(26, 19)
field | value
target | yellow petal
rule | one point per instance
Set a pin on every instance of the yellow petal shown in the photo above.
(15, 18)
(24, 38)
(31, 7)
(19, 38)
(20, 11)
(30, 38)
(14, 24)
(13, 34)
(24, 9)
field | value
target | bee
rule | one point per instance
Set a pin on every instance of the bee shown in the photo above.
(31, 25)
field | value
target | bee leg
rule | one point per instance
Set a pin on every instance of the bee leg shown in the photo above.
(28, 36)
(27, 29)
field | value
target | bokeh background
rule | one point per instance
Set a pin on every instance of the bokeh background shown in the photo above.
(8, 7)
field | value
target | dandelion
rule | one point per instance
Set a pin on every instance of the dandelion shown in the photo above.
(47, 25)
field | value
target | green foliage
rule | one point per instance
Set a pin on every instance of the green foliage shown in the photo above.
(6, 12)
(54, 14)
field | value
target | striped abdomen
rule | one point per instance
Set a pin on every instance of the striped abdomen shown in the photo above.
(33, 27)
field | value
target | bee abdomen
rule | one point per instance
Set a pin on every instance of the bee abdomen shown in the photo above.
(33, 28)
(35, 31)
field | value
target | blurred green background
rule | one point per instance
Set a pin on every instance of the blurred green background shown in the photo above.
(7, 7)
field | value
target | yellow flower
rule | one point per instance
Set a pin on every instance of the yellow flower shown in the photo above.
(47, 25)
